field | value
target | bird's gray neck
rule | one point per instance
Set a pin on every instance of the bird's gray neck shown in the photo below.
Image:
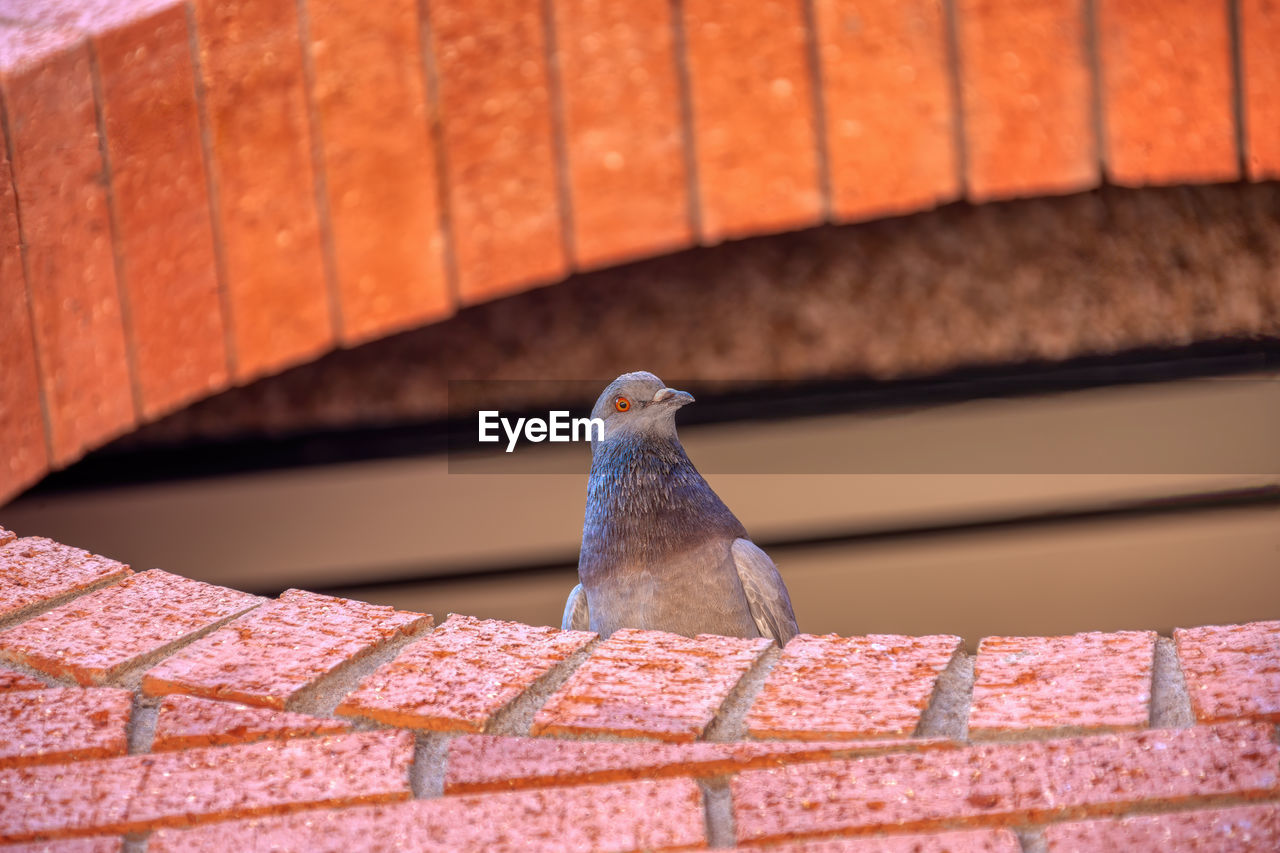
(645, 500)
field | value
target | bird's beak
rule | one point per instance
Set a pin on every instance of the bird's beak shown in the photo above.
(674, 397)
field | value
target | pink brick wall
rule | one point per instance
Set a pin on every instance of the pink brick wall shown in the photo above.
(498, 736)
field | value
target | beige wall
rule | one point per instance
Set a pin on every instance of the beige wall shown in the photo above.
(963, 464)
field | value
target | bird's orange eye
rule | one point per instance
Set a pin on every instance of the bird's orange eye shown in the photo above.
(622, 404)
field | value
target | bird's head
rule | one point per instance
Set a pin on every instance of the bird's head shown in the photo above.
(639, 404)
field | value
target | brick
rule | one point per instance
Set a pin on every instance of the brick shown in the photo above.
(460, 676)
(1027, 93)
(1085, 681)
(1232, 670)
(165, 229)
(47, 87)
(625, 137)
(495, 109)
(489, 763)
(140, 792)
(1167, 91)
(886, 95)
(264, 178)
(35, 570)
(267, 657)
(633, 816)
(380, 171)
(97, 636)
(963, 841)
(1259, 34)
(1027, 781)
(1236, 830)
(152, 123)
(186, 722)
(755, 134)
(12, 682)
(850, 687)
(649, 684)
(73, 845)
(81, 15)
(22, 428)
(58, 725)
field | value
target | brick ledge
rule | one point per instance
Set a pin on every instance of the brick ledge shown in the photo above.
(363, 724)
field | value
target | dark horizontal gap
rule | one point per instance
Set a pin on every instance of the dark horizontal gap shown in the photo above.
(1235, 499)
(110, 468)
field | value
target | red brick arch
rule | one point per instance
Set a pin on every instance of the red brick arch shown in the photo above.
(195, 194)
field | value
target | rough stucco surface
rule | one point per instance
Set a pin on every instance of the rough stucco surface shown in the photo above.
(1094, 273)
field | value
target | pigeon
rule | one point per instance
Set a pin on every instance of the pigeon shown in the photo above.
(660, 550)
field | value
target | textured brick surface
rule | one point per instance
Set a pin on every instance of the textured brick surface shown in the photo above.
(1260, 65)
(963, 841)
(1233, 670)
(164, 228)
(624, 134)
(1244, 829)
(1020, 782)
(636, 816)
(887, 99)
(753, 115)
(495, 106)
(1085, 681)
(268, 656)
(71, 845)
(488, 763)
(11, 681)
(34, 570)
(460, 675)
(371, 108)
(850, 687)
(182, 788)
(63, 724)
(185, 722)
(57, 169)
(1027, 95)
(649, 684)
(89, 16)
(22, 432)
(1167, 91)
(97, 635)
(147, 104)
(255, 101)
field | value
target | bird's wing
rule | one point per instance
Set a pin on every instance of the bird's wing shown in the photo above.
(766, 594)
(576, 616)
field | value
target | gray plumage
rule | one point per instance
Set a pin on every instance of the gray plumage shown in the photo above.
(660, 550)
